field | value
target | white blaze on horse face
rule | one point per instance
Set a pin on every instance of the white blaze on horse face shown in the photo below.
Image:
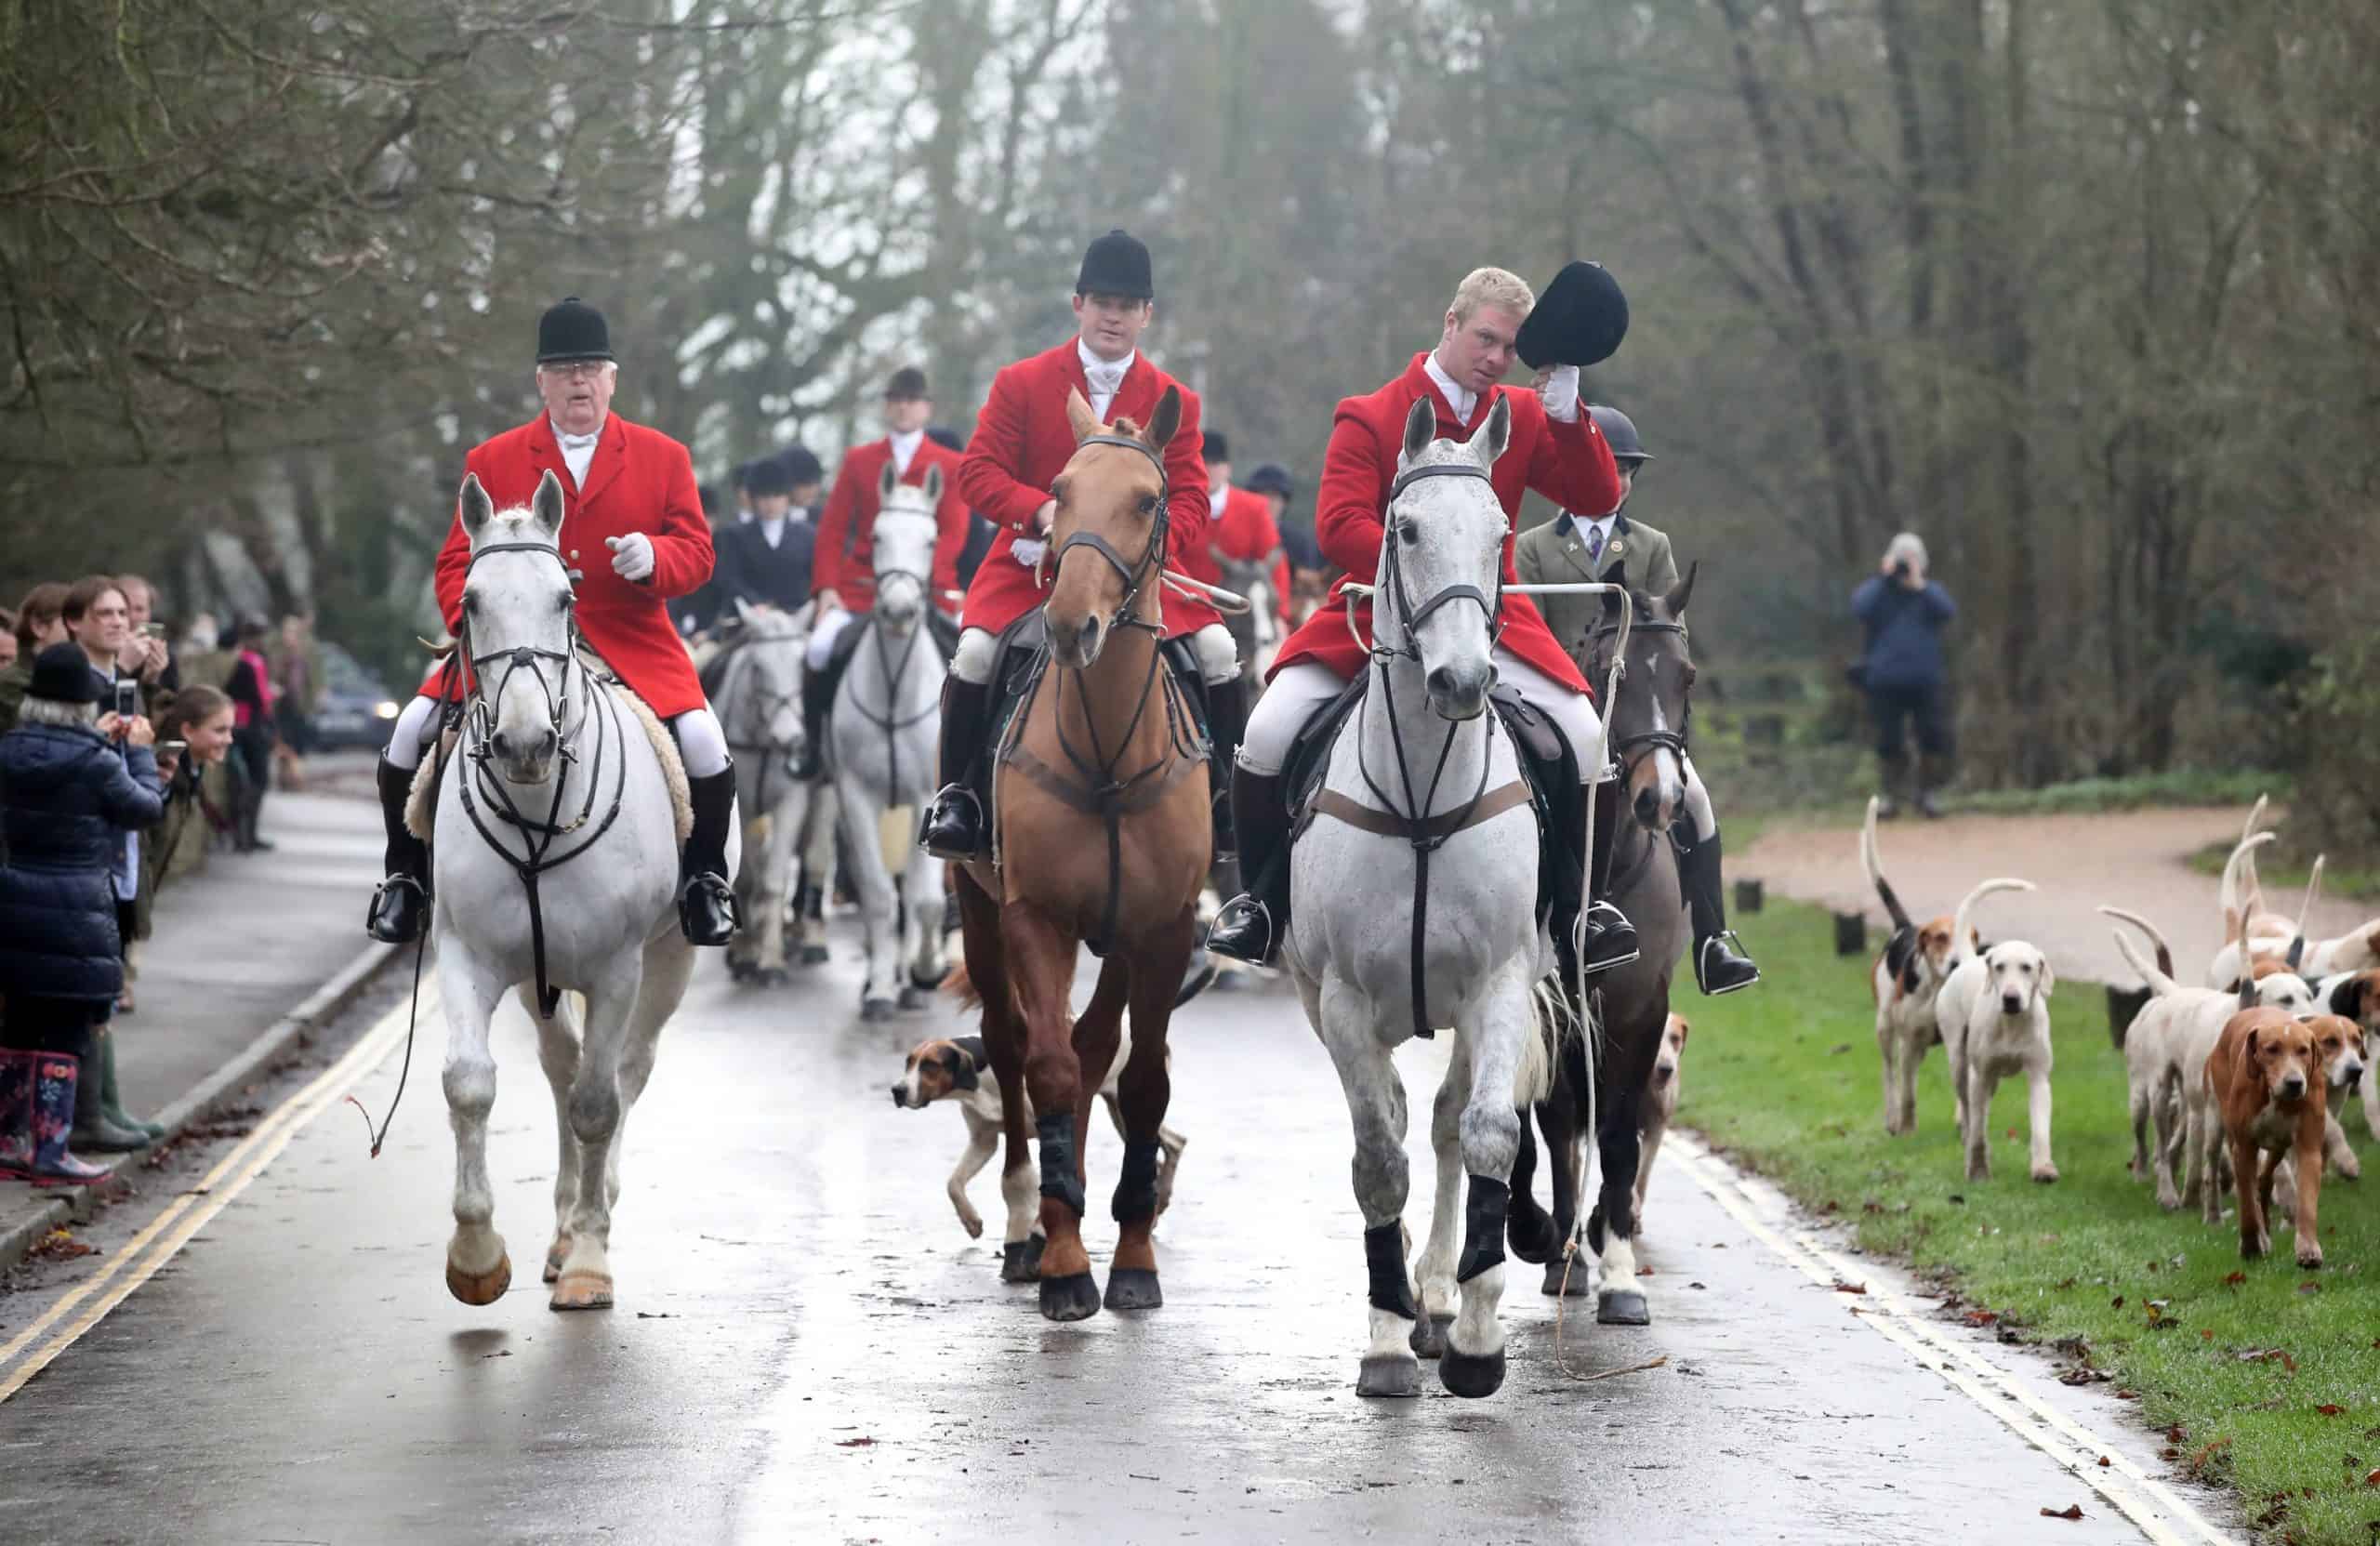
(511, 601)
(1670, 776)
(904, 541)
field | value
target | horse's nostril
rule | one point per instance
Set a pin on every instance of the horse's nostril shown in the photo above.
(1441, 681)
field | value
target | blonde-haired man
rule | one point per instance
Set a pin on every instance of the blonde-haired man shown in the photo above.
(1555, 449)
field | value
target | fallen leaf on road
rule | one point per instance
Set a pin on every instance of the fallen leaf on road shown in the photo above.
(1843, 1287)
(1981, 1317)
(860, 1442)
(2104, 1461)
(2071, 1510)
(1644, 1271)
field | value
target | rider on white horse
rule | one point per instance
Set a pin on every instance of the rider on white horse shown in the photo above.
(1023, 441)
(630, 498)
(1576, 546)
(1555, 449)
(844, 576)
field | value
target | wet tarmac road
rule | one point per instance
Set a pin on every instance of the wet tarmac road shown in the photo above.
(808, 1348)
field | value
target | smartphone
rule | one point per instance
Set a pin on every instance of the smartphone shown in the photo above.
(128, 698)
(154, 630)
(172, 749)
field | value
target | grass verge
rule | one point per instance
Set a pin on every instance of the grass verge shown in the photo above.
(2265, 1378)
(2284, 879)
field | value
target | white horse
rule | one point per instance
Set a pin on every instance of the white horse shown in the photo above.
(556, 858)
(759, 704)
(883, 736)
(1426, 746)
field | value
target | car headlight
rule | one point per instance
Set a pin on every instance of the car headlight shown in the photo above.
(384, 709)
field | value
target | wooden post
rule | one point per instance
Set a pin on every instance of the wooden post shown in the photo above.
(1850, 934)
(1747, 896)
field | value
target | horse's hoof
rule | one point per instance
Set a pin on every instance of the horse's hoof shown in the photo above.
(875, 1009)
(1472, 1374)
(1133, 1289)
(814, 954)
(480, 1287)
(1385, 1374)
(1429, 1337)
(926, 982)
(913, 996)
(1576, 1273)
(1623, 1307)
(1021, 1260)
(554, 1254)
(775, 976)
(1075, 1297)
(582, 1290)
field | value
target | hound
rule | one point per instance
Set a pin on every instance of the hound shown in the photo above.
(1993, 1013)
(959, 1070)
(2264, 1078)
(1905, 979)
(2247, 924)
(1660, 1104)
(2356, 995)
(2164, 1052)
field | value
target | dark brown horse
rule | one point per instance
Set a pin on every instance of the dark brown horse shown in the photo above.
(1647, 720)
(1103, 836)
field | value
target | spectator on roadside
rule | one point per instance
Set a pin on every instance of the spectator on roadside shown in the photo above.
(298, 686)
(7, 638)
(39, 624)
(1902, 671)
(99, 619)
(250, 689)
(75, 783)
(193, 735)
(151, 657)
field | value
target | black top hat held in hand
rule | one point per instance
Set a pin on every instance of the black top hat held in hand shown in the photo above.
(1579, 321)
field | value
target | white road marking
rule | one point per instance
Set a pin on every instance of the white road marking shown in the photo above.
(2164, 1515)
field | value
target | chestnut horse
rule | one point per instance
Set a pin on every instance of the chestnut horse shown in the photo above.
(1102, 836)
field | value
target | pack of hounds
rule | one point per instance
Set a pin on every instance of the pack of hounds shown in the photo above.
(2240, 1083)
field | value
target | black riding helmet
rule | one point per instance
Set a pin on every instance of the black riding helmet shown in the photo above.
(1619, 433)
(1271, 477)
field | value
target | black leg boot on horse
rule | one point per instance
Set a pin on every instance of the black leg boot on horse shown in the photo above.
(1251, 926)
(401, 906)
(1720, 965)
(705, 901)
(954, 828)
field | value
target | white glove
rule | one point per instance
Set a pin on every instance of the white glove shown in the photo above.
(631, 556)
(1557, 387)
(1028, 550)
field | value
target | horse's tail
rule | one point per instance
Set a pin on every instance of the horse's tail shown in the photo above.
(960, 985)
(1548, 1024)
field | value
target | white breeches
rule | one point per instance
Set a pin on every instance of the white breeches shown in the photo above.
(823, 634)
(1300, 691)
(1698, 804)
(701, 743)
(405, 741)
(1218, 656)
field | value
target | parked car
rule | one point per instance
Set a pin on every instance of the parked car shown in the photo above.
(357, 706)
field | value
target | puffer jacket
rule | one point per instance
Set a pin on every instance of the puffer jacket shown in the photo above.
(66, 800)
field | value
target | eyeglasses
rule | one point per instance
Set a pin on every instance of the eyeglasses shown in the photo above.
(576, 370)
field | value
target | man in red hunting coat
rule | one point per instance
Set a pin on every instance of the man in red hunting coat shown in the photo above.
(1022, 443)
(1241, 527)
(844, 576)
(1555, 449)
(632, 526)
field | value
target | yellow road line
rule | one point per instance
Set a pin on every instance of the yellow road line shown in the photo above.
(163, 1237)
(2164, 1515)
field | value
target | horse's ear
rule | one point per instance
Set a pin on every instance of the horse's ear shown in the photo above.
(546, 507)
(1079, 417)
(1675, 599)
(1495, 433)
(1420, 427)
(1165, 420)
(743, 613)
(933, 485)
(474, 506)
(886, 481)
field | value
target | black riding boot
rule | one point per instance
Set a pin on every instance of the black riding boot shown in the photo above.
(706, 901)
(1601, 936)
(1251, 925)
(402, 904)
(1720, 965)
(1226, 719)
(954, 828)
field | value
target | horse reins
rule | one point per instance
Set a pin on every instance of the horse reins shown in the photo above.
(1427, 834)
(1102, 793)
(1630, 749)
(539, 837)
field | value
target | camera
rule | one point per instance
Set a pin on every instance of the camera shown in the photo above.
(1900, 569)
(152, 631)
(128, 698)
